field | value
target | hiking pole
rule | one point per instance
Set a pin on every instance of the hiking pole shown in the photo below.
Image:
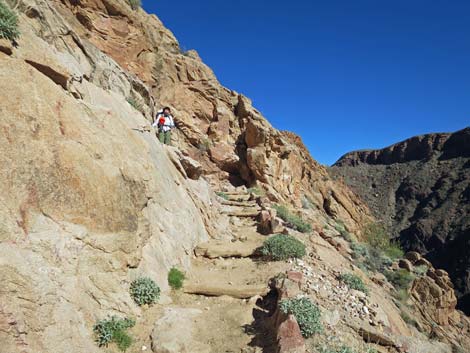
(142, 129)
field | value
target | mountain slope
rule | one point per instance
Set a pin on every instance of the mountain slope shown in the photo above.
(420, 188)
(90, 201)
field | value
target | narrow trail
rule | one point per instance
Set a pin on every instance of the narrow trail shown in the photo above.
(226, 302)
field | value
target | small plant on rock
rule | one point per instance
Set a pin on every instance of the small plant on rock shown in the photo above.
(292, 220)
(135, 4)
(175, 278)
(283, 247)
(134, 103)
(359, 250)
(113, 330)
(354, 282)
(421, 270)
(256, 191)
(400, 279)
(8, 23)
(377, 237)
(306, 313)
(222, 195)
(144, 291)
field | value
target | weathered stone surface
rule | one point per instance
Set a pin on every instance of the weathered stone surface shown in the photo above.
(174, 332)
(435, 297)
(289, 337)
(216, 290)
(6, 47)
(372, 335)
(215, 249)
(413, 256)
(405, 264)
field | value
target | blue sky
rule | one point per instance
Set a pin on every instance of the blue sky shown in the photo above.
(343, 74)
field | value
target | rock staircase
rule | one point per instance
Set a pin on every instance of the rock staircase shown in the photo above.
(226, 284)
(239, 204)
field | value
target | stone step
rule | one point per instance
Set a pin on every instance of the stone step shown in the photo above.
(239, 197)
(239, 203)
(215, 249)
(245, 212)
(234, 291)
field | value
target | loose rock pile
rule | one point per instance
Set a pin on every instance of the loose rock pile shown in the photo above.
(352, 303)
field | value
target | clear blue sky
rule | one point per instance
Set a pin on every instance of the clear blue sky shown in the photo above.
(343, 74)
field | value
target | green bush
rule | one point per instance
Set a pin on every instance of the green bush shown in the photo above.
(306, 313)
(376, 260)
(377, 237)
(134, 103)
(257, 191)
(402, 296)
(341, 229)
(354, 282)
(359, 250)
(222, 195)
(8, 23)
(113, 330)
(135, 4)
(175, 278)
(292, 220)
(144, 291)
(283, 247)
(421, 270)
(400, 279)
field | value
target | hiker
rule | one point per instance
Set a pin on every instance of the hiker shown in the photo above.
(164, 122)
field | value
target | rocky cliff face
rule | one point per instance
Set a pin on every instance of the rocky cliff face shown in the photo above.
(90, 201)
(420, 188)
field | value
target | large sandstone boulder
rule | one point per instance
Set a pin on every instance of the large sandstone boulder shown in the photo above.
(436, 296)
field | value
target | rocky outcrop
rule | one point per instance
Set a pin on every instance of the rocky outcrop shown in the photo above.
(91, 201)
(420, 188)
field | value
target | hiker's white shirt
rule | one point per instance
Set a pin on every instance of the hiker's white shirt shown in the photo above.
(169, 122)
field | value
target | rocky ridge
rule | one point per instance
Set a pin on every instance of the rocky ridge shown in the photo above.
(90, 200)
(420, 189)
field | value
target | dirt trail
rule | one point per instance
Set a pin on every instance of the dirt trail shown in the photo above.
(226, 301)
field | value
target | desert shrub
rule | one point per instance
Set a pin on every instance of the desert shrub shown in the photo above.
(113, 330)
(400, 279)
(144, 291)
(175, 278)
(341, 229)
(135, 4)
(306, 313)
(283, 247)
(421, 270)
(359, 250)
(402, 296)
(222, 195)
(354, 282)
(377, 237)
(8, 23)
(375, 260)
(257, 191)
(134, 103)
(394, 250)
(292, 220)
